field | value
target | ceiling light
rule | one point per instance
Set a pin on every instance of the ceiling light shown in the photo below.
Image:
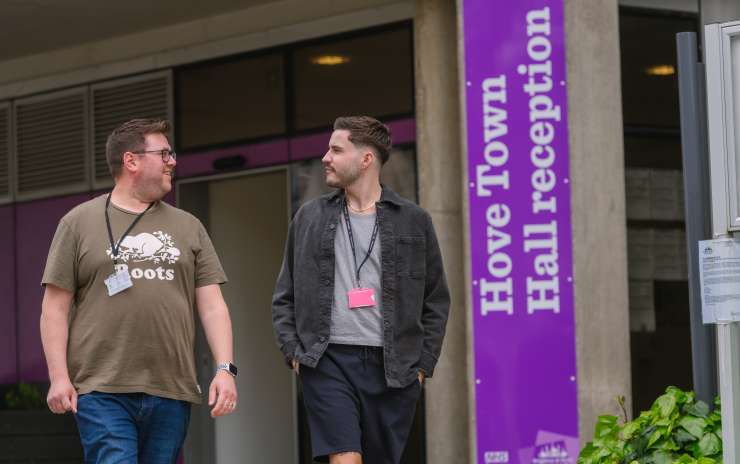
(330, 60)
(661, 70)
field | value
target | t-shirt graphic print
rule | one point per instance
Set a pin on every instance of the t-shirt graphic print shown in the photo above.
(157, 248)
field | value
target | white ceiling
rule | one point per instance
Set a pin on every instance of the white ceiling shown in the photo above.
(34, 26)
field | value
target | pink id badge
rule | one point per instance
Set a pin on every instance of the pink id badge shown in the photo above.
(361, 298)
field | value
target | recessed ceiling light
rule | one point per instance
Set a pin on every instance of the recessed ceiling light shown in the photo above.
(661, 70)
(330, 60)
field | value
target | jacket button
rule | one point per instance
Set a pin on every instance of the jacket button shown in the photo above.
(322, 339)
(332, 226)
(326, 282)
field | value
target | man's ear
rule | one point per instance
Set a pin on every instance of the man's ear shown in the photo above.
(367, 158)
(129, 161)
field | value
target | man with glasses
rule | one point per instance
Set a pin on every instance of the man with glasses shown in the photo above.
(123, 275)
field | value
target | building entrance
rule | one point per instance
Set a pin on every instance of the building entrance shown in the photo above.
(247, 218)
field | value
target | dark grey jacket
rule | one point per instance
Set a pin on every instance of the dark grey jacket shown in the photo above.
(414, 290)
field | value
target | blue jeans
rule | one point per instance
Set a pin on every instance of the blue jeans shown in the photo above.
(131, 428)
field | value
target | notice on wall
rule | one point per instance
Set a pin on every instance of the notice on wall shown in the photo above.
(719, 277)
(520, 232)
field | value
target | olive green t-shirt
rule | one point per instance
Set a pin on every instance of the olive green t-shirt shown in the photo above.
(142, 339)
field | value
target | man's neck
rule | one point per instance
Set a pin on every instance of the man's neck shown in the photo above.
(362, 195)
(126, 197)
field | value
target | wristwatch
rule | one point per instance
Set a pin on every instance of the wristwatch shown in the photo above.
(228, 367)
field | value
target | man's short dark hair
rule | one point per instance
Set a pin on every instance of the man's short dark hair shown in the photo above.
(368, 132)
(130, 136)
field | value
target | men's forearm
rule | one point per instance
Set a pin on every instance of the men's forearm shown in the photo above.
(217, 327)
(54, 338)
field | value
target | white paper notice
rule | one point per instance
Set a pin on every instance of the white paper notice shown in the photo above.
(719, 277)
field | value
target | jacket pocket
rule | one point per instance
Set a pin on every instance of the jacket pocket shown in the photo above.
(411, 253)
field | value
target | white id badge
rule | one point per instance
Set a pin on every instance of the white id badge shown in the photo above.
(119, 280)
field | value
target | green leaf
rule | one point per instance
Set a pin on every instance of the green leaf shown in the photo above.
(605, 425)
(685, 459)
(680, 395)
(666, 404)
(705, 460)
(657, 435)
(698, 409)
(694, 425)
(682, 436)
(587, 451)
(661, 457)
(601, 454)
(629, 429)
(709, 445)
(669, 445)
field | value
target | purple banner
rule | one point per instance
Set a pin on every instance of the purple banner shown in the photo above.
(520, 232)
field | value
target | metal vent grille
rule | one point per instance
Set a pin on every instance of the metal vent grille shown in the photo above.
(51, 144)
(4, 153)
(114, 103)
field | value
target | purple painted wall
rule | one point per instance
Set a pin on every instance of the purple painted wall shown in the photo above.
(8, 360)
(36, 223)
(255, 155)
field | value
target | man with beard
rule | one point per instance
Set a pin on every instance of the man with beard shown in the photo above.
(361, 303)
(132, 268)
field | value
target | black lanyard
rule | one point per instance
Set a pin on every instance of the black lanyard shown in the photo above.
(345, 211)
(114, 247)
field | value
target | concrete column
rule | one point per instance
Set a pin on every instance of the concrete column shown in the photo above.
(440, 191)
(719, 11)
(598, 205)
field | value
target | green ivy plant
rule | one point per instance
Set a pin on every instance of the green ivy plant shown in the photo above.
(24, 396)
(677, 429)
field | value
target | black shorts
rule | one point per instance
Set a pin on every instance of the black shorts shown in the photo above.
(350, 408)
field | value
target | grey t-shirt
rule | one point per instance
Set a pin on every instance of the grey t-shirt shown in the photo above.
(362, 326)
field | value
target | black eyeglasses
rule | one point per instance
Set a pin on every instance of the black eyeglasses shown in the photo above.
(165, 154)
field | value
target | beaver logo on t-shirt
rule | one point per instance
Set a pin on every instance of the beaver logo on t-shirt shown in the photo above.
(157, 247)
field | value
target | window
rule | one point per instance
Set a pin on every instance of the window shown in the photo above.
(658, 273)
(230, 101)
(371, 74)
(649, 65)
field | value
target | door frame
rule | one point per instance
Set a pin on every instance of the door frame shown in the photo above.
(201, 421)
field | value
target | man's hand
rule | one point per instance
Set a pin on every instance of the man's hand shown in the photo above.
(421, 377)
(62, 397)
(296, 366)
(222, 394)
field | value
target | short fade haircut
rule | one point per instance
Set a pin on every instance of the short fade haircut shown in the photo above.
(368, 132)
(130, 136)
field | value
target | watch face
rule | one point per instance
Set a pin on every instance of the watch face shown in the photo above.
(232, 369)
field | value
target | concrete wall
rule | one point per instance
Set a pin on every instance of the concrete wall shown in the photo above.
(439, 156)
(598, 208)
(719, 11)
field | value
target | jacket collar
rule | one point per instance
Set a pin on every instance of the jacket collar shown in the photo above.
(386, 196)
